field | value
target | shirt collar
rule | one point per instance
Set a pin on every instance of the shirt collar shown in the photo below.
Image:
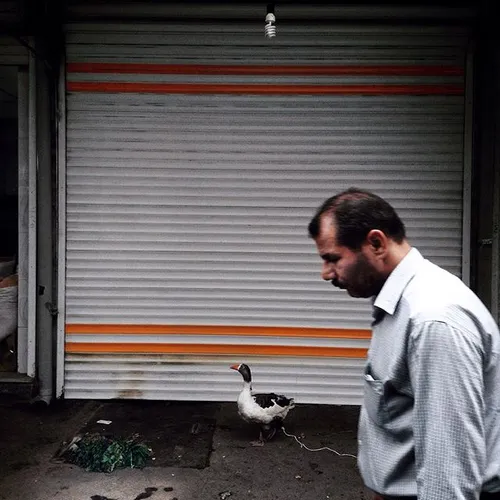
(393, 288)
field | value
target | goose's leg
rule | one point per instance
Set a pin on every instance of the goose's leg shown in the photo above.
(269, 431)
(260, 441)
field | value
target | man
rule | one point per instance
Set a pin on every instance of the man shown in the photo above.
(430, 424)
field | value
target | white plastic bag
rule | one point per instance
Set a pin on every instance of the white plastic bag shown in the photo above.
(6, 268)
(8, 307)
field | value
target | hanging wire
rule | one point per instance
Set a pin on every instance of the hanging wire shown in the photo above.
(6, 92)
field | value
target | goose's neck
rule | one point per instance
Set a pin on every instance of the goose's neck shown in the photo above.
(247, 386)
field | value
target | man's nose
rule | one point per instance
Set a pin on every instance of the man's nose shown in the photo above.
(328, 272)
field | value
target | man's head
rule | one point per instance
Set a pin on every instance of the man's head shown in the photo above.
(360, 238)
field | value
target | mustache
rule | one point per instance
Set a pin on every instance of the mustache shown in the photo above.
(338, 284)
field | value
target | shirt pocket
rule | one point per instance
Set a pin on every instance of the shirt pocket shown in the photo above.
(385, 406)
(374, 400)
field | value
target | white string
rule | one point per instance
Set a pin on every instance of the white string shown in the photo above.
(302, 445)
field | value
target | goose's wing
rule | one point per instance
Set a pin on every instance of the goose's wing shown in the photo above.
(266, 400)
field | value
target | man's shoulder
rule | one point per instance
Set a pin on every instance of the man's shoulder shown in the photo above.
(433, 284)
(435, 294)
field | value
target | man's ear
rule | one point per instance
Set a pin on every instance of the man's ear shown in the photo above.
(377, 240)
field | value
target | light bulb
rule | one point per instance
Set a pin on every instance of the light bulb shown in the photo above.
(270, 28)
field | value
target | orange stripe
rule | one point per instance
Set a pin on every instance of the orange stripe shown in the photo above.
(209, 88)
(212, 349)
(206, 69)
(254, 331)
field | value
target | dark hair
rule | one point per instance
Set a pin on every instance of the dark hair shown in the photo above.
(355, 213)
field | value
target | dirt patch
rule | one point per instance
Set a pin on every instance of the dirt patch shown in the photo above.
(179, 433)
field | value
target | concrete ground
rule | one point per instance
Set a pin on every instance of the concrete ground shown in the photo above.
(31, 435)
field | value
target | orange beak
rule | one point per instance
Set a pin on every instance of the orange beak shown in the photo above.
(235, 367)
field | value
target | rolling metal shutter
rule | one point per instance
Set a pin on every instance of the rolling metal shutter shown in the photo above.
(196, 155)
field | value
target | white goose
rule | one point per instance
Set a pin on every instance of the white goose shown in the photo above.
(268, 410)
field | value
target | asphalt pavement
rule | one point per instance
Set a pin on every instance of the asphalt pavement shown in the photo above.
(202, 451)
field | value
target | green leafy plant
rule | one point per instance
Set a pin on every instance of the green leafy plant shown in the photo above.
(98, 453)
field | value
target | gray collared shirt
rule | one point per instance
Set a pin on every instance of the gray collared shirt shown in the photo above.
(430, 422)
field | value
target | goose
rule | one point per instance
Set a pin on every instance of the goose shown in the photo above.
(268, 410)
